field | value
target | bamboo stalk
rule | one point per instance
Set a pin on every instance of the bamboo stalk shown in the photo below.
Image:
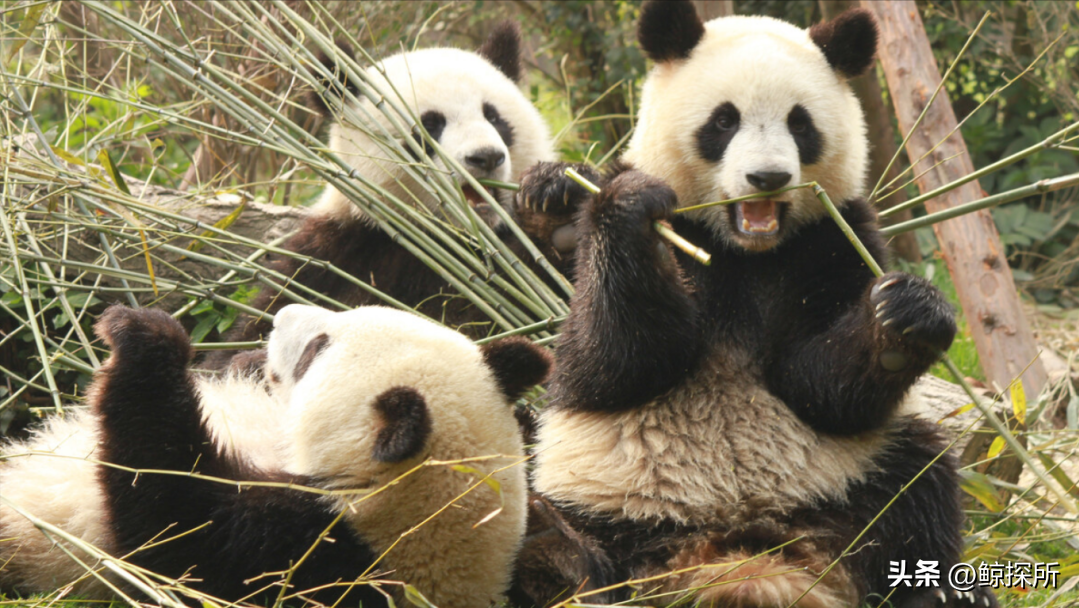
(1000, 164)
(1042, 186)
(690, 249)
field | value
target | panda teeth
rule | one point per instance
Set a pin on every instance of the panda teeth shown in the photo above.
(747, 228)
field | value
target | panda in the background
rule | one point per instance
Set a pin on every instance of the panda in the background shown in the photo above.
(352, 401)
(471, 104)
(741, 423)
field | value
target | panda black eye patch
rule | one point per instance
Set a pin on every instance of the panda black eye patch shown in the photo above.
(716, 134)
(505, 129)
(434, 122)
(806, 136)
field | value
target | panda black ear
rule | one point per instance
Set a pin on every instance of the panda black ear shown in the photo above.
(669, 29)
(335, 87)
(518, 364)
(503, 49)
(849, 41)
(406, 424)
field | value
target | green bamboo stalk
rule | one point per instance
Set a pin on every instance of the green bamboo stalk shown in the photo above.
(273, 122)
(509, 264)
(1000, 164)
(29, 117)
(1039, 187)
(28, 303)
(60, 292)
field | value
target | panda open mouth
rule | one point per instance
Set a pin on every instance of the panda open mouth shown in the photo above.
(474, 198)
(757, 218)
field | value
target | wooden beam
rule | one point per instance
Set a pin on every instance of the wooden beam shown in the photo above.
(970, 244)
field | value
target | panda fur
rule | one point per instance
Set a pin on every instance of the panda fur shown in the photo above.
(345, 400)
(701, 416)
(471, 104)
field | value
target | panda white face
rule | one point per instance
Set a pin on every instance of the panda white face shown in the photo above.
(473, 110)
(446, 401)
(753, 107)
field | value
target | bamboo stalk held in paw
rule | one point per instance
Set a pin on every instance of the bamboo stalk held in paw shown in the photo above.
(690, 249)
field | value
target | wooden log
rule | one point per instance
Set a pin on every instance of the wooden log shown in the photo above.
(882, 140)
(970, 244)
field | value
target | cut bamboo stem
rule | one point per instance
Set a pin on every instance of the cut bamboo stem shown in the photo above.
(690, 249)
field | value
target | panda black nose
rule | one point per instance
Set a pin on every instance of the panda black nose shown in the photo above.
(767, 181)
(487, 159)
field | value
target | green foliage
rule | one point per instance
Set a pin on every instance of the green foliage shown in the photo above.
(212, 316)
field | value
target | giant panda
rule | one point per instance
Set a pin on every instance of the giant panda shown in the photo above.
(352, 404)
(470, 103)
(722, 434)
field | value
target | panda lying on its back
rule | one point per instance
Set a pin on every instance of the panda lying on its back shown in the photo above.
(355, 400)
(469, 103)
(701, 417)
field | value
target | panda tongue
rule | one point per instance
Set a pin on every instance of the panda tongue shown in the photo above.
(759, 216)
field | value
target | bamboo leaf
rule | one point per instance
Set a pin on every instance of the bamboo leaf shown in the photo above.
(491, 483)
(117, 178)
(29, 24)
(221, 224)
(418, 599)
(67, 156)
(1059, 475)
(979, 486)
(957, 411)
(996, 447)
(1019, 401)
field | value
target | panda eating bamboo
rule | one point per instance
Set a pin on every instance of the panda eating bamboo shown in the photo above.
(741, 424)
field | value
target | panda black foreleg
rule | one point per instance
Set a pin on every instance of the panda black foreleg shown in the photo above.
(150, 419)
(633, 329)
(849, 378)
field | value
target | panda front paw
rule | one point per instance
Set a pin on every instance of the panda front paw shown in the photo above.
(546, 189)
(143, 336)
(910, 310)
(547, 201)
(632, 201)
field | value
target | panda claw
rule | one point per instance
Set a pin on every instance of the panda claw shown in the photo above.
(886, 284)
(545, 206)
(908, 330)
(940, 596)
(882, 305)
(887, 322)
(565, 198)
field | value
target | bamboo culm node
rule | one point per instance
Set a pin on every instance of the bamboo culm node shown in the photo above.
(690, 249)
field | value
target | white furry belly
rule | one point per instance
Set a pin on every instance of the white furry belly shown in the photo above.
(244, 420)
(57, 484)
(717, 444)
